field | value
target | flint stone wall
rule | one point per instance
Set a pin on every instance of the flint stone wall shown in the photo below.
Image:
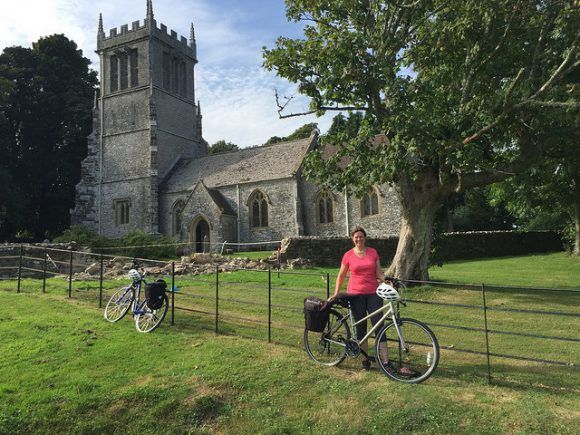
(452, 246)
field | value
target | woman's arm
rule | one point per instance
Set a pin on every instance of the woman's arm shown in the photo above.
(380, 274)
(340, 279)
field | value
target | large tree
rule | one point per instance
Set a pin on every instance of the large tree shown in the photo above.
(465, 93)
(46, 116)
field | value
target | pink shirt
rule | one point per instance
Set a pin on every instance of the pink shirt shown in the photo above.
(363, 271)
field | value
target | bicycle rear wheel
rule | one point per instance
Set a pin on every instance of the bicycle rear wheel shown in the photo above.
(329, 346)
(119, 304)
(147, 319)
(417, 359)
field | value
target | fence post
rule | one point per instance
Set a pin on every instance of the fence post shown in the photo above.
(269, 305)
(101, 282)
(173, 292)
(19, 269)
(278, 260)
(327, 285)
(70, 268)
(217, 286)
(486, 334)
(44, 270)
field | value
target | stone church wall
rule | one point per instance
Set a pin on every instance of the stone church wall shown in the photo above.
(385, 223)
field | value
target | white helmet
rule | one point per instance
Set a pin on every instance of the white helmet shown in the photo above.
(134, 275)
(388, 292)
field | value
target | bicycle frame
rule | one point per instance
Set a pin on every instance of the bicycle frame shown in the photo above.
(137, 307)
(389, 312)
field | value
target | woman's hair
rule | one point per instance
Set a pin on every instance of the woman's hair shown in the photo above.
(357, 229)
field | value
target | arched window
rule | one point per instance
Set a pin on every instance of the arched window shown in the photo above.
(325, 207)
(177, 217)
(258, 205)
(370, 203)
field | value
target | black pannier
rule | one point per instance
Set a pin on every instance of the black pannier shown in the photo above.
(155, 294)
(316, 313)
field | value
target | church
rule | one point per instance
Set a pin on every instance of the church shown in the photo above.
(148, 166)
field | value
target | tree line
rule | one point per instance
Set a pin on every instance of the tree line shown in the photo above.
(46, 94)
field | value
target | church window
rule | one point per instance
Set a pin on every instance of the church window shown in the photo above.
(177, 217)
(134, 65)
(122, 208)
(370, 203)
(324, 205)
(166, 71)
(182, 80)
(114, 74)
(175, 71)
(258, 210)
(123, 71)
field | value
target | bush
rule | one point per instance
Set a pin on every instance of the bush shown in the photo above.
(83, 236)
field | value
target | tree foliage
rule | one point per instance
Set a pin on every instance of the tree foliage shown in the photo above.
(221, 146)
(46, 94)
(467, 93)
(303, 132)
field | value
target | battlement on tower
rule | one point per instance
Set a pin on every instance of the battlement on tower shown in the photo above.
(140, 30)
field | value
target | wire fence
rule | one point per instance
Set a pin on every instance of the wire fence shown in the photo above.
(497, 323)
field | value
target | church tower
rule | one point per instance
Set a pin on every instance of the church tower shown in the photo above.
(145, 121)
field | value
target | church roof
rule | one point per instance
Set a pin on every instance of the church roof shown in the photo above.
(263, 163)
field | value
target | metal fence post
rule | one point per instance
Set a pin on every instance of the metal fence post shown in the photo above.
(173, 292)
(101, 282)
(19, 269)
(70, 267)
(327, 285)
(486, 334)
(269, 305)
(44, 270)
(217, 286)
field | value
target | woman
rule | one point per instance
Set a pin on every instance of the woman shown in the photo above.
(364, 266)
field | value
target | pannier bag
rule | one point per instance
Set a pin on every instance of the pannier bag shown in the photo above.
(155, 294)
(315, 314)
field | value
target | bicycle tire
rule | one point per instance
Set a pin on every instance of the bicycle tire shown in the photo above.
(416, 362)
(148, 320)
(328, 347)
(118, 304)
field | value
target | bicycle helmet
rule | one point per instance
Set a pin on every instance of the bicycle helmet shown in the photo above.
(134, 275)
(388, 292)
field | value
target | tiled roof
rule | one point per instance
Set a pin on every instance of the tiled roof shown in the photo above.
(268, 162)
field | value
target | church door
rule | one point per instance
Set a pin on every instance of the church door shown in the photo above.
(201, 232)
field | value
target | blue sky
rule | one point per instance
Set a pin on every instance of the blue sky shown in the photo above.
(236, 94)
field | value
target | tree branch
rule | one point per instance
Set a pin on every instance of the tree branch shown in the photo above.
(282, 106)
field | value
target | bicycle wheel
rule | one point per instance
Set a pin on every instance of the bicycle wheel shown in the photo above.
(414, 362)
(329, 346)
(119, 304)
(147, 320)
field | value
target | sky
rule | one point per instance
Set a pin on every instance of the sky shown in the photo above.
(236, 94)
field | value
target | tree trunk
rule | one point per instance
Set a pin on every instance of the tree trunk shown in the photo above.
(419, 201)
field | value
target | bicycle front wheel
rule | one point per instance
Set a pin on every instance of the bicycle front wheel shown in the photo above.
(147, 319)
(413, 358)
(119, 304)
(329, 346)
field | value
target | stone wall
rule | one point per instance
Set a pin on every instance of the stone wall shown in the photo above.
(453, 246)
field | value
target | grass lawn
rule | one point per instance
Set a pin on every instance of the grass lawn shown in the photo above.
(67, 370)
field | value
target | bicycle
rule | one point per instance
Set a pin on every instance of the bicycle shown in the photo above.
(148, 314)
(412, 348)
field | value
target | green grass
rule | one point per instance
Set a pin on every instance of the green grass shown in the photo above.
(64, 369)
(557, 270)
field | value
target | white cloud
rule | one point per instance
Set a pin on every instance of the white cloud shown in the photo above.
(236, 94)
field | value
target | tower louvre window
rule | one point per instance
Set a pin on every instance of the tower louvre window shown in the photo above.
(134, 65)
(166, 71)
(124, 72)
(182, 80)
(114, 74)
(175, 71)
